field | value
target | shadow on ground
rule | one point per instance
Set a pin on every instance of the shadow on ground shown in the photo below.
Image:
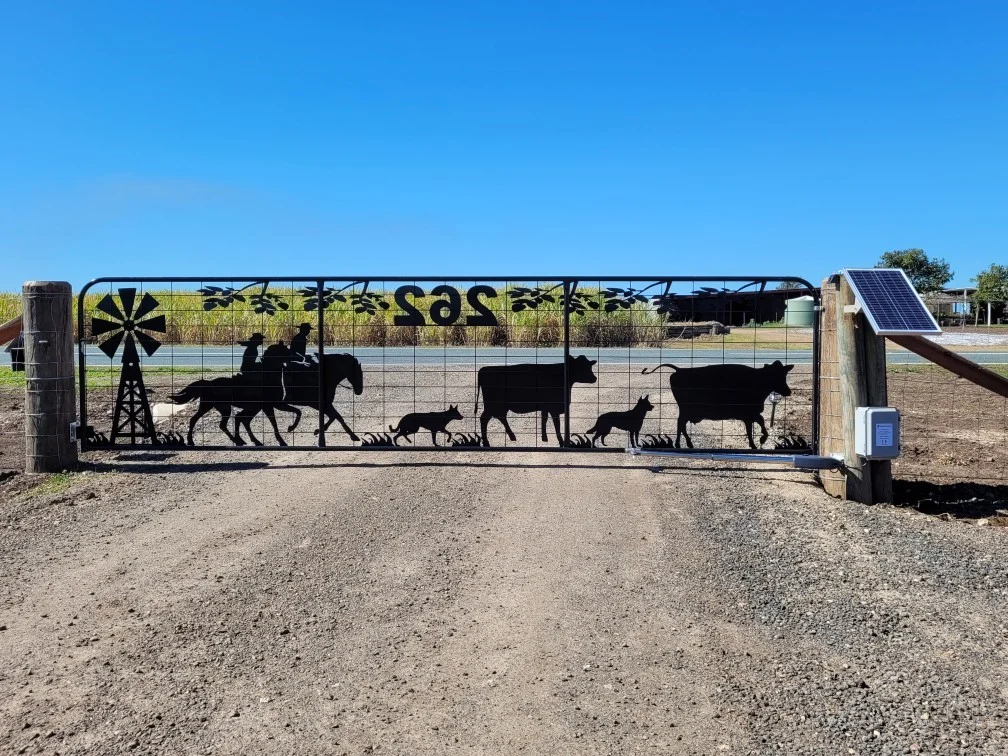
(956, 500)
(160, 463)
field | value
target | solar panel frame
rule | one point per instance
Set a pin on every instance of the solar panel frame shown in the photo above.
(886, 308)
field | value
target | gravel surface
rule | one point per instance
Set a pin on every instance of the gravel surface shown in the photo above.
(275, 603)
(951, 337)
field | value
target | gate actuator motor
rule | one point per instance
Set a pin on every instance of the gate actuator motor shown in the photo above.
(876, 432)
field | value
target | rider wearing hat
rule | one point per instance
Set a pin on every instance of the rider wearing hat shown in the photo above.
(299, 344)
(250, 358)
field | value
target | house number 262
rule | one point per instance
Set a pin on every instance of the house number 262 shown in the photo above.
(447, 309)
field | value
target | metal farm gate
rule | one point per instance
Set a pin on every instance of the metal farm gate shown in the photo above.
(717, 364)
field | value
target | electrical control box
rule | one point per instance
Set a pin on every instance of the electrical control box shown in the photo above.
(876, 432)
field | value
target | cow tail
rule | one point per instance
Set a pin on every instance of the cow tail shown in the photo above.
(476, 400)
(394, 430)
(645, 371)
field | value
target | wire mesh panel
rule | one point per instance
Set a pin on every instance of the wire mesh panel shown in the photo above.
(12, 387)
(505, 363)
(709, 364)
(952, 431)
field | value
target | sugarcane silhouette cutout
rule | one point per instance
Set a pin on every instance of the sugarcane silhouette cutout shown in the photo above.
(132, 414)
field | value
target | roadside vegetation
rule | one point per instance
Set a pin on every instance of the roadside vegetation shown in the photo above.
(633, 323)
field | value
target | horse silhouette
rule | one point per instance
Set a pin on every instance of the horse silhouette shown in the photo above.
(301, 387)
(273, 385)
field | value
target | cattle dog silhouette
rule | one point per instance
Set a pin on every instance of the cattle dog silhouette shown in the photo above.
(631, 421)
(435, 422)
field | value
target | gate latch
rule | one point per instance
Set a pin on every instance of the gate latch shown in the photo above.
(74, 427)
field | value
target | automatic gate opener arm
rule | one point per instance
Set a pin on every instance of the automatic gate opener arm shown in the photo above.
(797, 461)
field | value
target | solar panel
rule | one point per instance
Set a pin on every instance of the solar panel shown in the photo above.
(890, 302)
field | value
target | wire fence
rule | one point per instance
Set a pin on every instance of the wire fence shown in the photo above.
(953, 431)
(12, 425)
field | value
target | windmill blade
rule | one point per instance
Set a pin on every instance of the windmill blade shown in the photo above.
(149, 343)
(108, 306)
(109, 346)
(155, 324)
(100, 326)
(127, 296)
(146, 306)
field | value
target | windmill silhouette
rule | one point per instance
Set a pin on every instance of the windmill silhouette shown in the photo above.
(132, 416)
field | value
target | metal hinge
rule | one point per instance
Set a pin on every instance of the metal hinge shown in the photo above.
(74, 427)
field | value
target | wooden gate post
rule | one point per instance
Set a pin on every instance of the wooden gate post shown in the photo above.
(853, 370)
(50, 397)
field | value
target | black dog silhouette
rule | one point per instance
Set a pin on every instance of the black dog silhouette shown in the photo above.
(435, 422)
(631, 421)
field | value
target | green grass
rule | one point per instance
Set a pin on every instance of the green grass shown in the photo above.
(108, 376)
(9, 378)
(53, 484)
(103, 377)
(928, 368)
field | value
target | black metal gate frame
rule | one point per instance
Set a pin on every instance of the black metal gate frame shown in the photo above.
(568, 282)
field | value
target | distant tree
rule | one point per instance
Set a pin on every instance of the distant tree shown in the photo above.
(927, 275)
(790, 285)
(992, 284)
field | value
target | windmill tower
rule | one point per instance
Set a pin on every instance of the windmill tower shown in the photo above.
(132, 415)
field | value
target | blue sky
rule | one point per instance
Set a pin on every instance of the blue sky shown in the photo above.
(499, 138)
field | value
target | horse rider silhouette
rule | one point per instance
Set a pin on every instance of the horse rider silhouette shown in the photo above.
(250, 358)
(299, 345)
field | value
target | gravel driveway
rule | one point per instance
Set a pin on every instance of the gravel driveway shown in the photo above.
(541, 604)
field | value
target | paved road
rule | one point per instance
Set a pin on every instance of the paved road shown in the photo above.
(222, 358)
(226, 357)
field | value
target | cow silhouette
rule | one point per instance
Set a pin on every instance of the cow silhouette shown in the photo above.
(725, 392)
(531, 387)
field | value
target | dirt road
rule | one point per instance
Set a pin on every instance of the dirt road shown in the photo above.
(473, 603)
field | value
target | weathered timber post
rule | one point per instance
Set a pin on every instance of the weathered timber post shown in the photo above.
(853, 375)
(50, 400)
(877, 392)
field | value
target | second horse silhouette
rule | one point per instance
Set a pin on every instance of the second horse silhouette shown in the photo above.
(435, 422)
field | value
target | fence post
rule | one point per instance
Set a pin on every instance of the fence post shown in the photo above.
(320, 294)
(831, 439)
(50, 402)
(853, 375)
(568, 290)
(877, 393)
